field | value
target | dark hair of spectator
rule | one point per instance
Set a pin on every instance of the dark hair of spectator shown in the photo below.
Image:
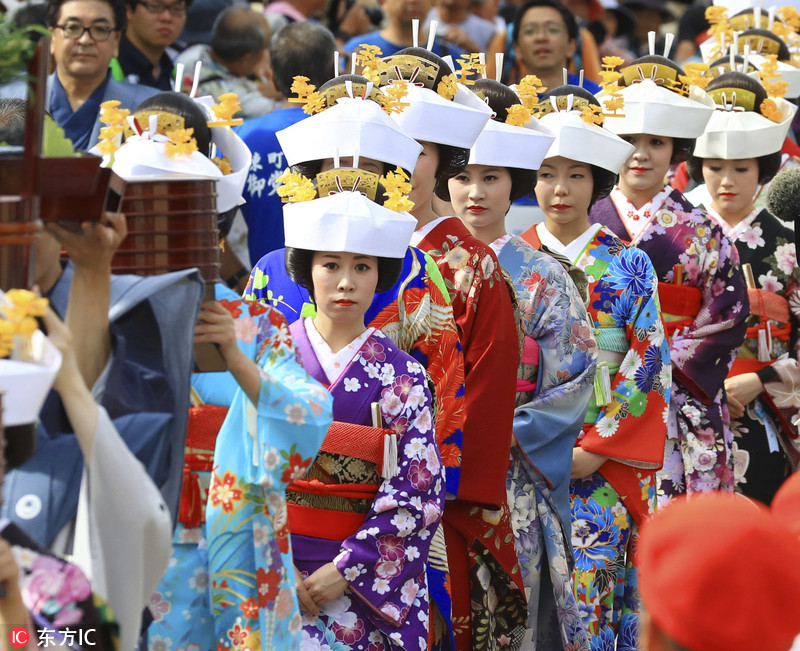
(566, 15)
(305, 49)
(234, 36)
(117, 8)
(299, 261)
(769, 164)
(604, 180)
(12, 121)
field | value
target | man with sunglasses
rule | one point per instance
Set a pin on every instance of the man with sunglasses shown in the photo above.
(85, 37)
(145, 56)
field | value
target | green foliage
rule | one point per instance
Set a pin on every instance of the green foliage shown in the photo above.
(16, 48)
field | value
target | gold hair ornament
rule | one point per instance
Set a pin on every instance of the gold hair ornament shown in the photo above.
(295, 187)
(226, 107)
(116, 120)
(347, 179)
(397, 186)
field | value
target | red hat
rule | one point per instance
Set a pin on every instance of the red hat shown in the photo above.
(719, 572)
(786, 503)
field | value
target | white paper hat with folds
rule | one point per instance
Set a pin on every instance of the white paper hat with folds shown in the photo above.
(25, 385)
(347, 222)
(654, 110)
(146, 157)
(505, 145)
(351, 127)
(788, 73)
(585, 143)
(432, 118)
(734, 135)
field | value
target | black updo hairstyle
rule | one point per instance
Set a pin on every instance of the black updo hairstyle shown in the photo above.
(452, 160)
(184, 106)
(298, 266)
(738, 60)
(603, 180)
(500, 98)
(783, 49)
(769, 164)
(681, 147)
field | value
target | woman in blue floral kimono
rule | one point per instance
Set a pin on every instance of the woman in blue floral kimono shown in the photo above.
(622, 443)
(555, 372)
(363, 519)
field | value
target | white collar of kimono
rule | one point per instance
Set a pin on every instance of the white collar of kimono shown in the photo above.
(733, 232)
(332, 363)
(500, 242)
(422, 231)
(636, 220)
(574, 249)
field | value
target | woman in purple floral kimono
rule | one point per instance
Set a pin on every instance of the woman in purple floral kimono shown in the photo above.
(362, 519)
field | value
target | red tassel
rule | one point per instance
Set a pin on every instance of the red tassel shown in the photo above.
(191, 510)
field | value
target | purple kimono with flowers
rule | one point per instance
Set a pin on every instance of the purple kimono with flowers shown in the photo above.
(384, 556)
(689, 249)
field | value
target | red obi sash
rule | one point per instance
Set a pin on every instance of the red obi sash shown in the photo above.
(205, 422)
(361, 442)
(768, 306)
(682, 301)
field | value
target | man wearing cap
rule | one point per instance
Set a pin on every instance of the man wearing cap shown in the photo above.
(718, 572)
(85, 37)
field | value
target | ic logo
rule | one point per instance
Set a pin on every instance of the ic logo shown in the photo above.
(18, 636)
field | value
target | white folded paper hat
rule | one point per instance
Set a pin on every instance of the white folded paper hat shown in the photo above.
(433, 118)
(583, 142)
(738, 134)
(348, 222)
(506, 145)
(353, 127)
(25, 385)
(655, 110)
(236, 152)
(786, 72)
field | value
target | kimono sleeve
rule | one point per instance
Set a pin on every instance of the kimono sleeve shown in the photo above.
(291, 418)
(703, 354)
(123, 537)
(385, 560)
(491, 356)
(632, 428)
(553, 314)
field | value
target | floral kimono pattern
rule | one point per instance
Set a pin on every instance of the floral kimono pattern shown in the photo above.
(553, 391)
(260, 450)
(181, 608)
(763, 437)
(705, 304)
(627, 423)
(417, 316)
(475, 540)
(383, 556)
(59, 599)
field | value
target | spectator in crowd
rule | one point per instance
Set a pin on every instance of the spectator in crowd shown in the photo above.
(397, 33)
(238, 43)
(302, 48)
(692, 30)
(460, 26)
(200, 17)
(284, 12)
(544, 40)
(650, 15)
(86, 35)
(145, 56)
